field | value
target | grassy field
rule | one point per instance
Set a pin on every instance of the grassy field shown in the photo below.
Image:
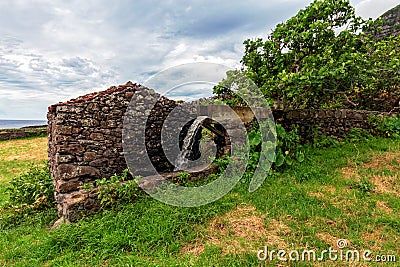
(349, 192)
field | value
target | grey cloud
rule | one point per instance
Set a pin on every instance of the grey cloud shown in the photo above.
(26, 77)
(79, 66)
(38, 64)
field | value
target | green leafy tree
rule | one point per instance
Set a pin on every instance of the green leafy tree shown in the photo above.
(381, 91)
(323, 58)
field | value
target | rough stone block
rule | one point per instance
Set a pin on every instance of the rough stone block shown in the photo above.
(92, 107)
(64, 158)
(71, 149)
(70, 171)
(97, 136)
(90, 122)
(99, 163)
(89, 156)
(64, 130)
(63, 186)
(68, 109)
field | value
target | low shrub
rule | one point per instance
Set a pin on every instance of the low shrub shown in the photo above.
(288, 149)
(32, 189)
(322, 141)
(358, 135)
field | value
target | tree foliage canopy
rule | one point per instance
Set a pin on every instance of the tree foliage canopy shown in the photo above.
(325, 57)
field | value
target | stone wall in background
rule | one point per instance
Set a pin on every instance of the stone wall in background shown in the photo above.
(30, 131)
(336, 123)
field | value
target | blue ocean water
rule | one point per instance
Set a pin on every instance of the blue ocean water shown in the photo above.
(11, 124)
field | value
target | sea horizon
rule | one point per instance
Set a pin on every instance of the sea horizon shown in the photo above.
(16, 124)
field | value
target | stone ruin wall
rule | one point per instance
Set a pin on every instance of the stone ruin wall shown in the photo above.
(85, 137)
(24, 132)
(336, 123)
(85, 141)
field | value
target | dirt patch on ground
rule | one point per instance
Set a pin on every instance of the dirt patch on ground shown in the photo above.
(337, 198)
(334, 242)
(324, 192)
(318, 195)
(383, 161)
(386, 161)
(384, 207)
(329, 189)
(386, 185)
(350, 173)
(240, 231)
(25, 149)
(374, 239)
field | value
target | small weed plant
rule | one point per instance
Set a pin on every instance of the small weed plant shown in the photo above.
(288, 147)
(182, 178)
(117, 189)
(364, 185)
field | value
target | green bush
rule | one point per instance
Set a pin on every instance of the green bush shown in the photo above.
(385, 126)
(32, 189)
(288, 147)
(357, 135)
(182, 178)
(323, 141)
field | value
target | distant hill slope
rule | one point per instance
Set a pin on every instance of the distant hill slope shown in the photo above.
(391, 25)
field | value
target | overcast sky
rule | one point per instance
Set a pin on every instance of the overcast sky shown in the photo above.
(52, 50)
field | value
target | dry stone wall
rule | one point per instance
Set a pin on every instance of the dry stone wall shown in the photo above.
(85, 140)
(336, 123)
(30, 131)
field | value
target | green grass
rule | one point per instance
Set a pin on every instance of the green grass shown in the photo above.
(309, 205)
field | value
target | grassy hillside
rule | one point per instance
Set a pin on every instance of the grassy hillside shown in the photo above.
(350, 192)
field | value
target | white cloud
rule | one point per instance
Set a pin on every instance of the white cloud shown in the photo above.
(373, 8)
(53, 50)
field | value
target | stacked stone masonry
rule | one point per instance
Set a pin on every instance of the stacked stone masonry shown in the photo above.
(336, 123)
(85, 141)
(30, 131)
